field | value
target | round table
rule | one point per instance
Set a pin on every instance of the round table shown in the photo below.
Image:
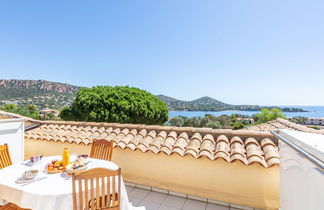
(52, 192)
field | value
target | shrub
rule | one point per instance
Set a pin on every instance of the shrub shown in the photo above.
(176, 121)
(192, 122)
(315, 127)
(214, 125)
(237, 125)
(121, 104)
(27, 111)
(267, 115)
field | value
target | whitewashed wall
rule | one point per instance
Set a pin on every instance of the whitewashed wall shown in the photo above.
(301, 181)
(12, 133)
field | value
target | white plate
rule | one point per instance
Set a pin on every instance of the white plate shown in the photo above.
(22, 180)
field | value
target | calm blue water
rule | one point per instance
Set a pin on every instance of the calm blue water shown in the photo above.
(314, 112)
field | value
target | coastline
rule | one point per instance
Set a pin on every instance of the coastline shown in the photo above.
(312, 112)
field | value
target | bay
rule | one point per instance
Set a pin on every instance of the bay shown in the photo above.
(313, 112)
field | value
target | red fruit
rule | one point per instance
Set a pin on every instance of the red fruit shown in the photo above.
(54, 161)
(49, 165)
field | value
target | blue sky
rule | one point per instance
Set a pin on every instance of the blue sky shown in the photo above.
(240, 52)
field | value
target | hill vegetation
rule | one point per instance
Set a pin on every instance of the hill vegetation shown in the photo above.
(55, 95)
(234, 121)
(210, 104)
(41, 93)
(27, 111)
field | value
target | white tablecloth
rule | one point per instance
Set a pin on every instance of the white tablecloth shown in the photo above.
(52, 193)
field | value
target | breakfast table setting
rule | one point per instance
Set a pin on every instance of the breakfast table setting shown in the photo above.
(42, 183)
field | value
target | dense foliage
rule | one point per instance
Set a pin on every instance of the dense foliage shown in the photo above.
(27, 111)
(233, 121)
(120, 104)
(267, 115)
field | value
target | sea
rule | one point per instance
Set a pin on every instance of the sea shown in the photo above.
(312, 112)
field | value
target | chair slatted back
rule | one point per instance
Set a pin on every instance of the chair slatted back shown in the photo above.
(102, 149)
(5, 159)
(97, 188)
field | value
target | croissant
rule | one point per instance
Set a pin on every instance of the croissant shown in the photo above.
(78, 162)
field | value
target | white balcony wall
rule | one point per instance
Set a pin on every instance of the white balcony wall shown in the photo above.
(12, 133)
(301, 181)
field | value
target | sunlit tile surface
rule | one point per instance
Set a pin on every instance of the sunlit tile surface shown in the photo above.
(150, 200)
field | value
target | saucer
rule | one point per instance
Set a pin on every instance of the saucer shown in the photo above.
(22, 180)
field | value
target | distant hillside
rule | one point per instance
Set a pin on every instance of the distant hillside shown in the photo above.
(210, 104)
(38, 92)
(55, 95)
(204, 103)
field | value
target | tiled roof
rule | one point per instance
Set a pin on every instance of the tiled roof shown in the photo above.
(282, 124)
(29, 122)
(245, 146)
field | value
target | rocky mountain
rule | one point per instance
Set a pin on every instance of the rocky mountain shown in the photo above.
(40, 85)
(42, 93)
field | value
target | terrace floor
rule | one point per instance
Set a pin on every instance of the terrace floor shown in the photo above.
(150, 200)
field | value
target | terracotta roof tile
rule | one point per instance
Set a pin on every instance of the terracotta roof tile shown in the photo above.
(194, 144)
(169, 142)
(222, 155)
(208, 145)
(191, 152)
(238, 157)
(172, 134)
(208, 137)
(273, 162)
(257, 159)
(282, 124)
(178, 151)
(265, 142)
(157, 142)
(135, 142)
(248, 147)
(206, 153)
(222, 138)
(222, 146)
(124, 141)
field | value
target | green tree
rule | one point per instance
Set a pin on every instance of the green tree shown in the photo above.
(237, 125)
(214, 125)
(176, 121)
(267, 115)
(192, 122)
(10, 108)
(203, 121)
(120, 104)
(27, 111)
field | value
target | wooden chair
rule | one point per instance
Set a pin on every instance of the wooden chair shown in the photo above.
(11, 206)
(96, 189)
(102, 149)
(5, 159)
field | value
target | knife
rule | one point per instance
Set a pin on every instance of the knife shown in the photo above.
(76, 167)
